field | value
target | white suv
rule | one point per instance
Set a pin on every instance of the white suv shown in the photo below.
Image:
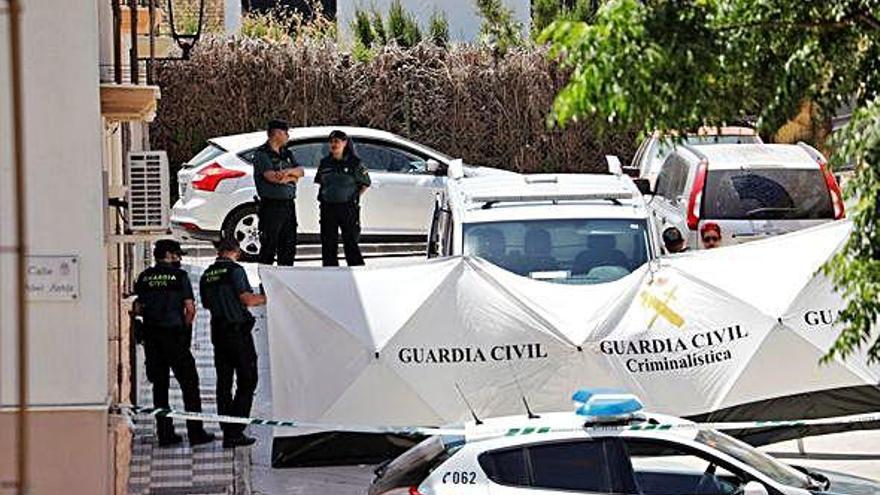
(750, 190)
(564, 228)
(217, 187)
(653, 151)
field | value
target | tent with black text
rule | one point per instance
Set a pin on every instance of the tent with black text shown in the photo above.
(729, 334)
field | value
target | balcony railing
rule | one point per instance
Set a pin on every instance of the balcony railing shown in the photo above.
(127, 90)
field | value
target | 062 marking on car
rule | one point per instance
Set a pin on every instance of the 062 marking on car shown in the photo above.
(460, 478)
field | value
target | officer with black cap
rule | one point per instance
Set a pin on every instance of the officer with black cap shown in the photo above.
(343, 179)
(227, 294)
(275, 175)
(165, 302)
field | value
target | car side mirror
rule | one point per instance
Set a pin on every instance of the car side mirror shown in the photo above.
(753, 488)
(614, 166)
(455, 170)
(643, 185)
(633, 172)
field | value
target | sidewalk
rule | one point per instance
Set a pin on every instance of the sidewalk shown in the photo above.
(206, 469)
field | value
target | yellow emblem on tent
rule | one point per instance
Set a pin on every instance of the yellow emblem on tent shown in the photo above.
(661, 307)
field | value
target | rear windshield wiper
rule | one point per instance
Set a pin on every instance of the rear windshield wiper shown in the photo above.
(760, 211)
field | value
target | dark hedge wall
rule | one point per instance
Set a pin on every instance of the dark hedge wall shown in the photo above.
(463, 100)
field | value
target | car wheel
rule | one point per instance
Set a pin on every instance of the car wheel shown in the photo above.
(243, 226)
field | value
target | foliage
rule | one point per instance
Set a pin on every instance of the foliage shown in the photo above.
(544, 12)
(268, 26)
(370, 31)
(438, 29)
(402, 26)
(499, 30)
(459, 99)
(186, 17)
(396, 23)
(379, 28)
(857, 267)
(281, 24)
(314, 24)
(362, 28)
(680, 64)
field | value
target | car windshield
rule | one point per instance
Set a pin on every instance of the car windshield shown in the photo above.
(429, 149)
(665, 146)
(762, 194)
(753, 457)
(570, 251)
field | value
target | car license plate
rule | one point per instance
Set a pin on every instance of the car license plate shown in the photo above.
(182, 189)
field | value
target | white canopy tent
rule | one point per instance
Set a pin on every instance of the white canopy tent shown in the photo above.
(693, 334)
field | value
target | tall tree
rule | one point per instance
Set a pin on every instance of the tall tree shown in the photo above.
(680, 64)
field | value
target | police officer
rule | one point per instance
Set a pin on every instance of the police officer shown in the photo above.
(343, 179)
(275, 175)
(165, 302)
(227, 294)
(673, 241)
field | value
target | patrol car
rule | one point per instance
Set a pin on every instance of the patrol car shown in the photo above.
(608, 445)
(563, 228)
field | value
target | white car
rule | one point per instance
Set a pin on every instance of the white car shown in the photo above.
(605, 447)
(750, 190)
(217, 189)
(563, 228)
(653, 151)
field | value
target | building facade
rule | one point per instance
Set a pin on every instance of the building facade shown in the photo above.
(75, 132)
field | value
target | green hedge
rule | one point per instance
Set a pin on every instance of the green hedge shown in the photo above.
(463, 100)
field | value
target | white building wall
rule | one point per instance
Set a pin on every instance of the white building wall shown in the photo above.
(463, 16)
(62, 126)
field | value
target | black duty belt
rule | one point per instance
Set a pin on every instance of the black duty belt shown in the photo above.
(278, 202)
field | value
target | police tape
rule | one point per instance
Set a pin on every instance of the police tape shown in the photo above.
(284, 423)
(488, 431)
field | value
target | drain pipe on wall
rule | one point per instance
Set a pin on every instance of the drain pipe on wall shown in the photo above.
(21, 251)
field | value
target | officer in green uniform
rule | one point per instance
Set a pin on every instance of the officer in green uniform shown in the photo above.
(343, 179)
(227, 294)
(275, 175)
(165, 302)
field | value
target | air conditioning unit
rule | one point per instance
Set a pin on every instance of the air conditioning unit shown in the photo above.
(148, 193)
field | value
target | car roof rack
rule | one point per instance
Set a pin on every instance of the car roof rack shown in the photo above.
(490, 200)
(699, 154)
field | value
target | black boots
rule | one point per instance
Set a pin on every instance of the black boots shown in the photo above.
(201, 438)
(240, 440)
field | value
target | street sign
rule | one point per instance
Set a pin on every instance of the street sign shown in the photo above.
(53, 278)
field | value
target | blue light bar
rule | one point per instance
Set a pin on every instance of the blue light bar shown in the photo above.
(604, 404)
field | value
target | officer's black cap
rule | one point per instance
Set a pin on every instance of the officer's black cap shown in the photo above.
(165, 246)
(277, 124)
(672, 236)
(337, 134)
(226, 245)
